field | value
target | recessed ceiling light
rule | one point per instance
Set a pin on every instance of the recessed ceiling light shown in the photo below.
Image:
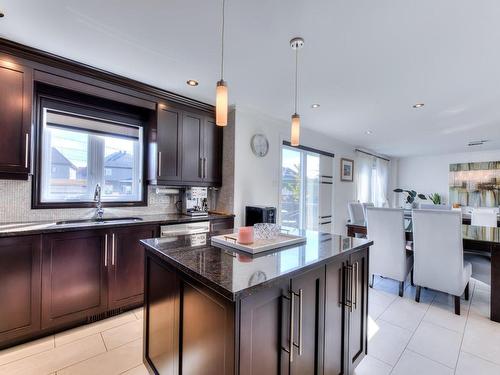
(192, 82)
(315, 105)
(418, 105)
(368, 132)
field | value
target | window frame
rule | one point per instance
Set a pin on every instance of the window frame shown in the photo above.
(70, 102)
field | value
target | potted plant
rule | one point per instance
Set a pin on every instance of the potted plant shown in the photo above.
(435, 198)
(411, 195)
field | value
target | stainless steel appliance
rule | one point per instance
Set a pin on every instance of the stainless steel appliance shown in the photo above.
(197, 232)
(259, 214)
(194, 201)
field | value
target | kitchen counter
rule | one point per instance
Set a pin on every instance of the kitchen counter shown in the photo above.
(39, 227)
(235, 274)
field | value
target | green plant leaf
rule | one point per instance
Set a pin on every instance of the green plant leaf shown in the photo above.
(422, 196)
(398, 190)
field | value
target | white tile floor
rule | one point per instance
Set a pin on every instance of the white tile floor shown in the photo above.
(111, 346)
(404, 338)
(428, 338)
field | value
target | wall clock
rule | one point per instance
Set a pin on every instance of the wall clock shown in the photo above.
(260, 145)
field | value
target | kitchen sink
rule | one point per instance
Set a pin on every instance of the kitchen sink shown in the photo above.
(100, 221)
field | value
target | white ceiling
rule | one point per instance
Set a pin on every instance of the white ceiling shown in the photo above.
(366, 62)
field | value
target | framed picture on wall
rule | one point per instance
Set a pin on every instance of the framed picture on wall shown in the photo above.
(346, 170)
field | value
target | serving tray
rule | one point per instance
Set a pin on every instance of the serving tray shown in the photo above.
(259, 245)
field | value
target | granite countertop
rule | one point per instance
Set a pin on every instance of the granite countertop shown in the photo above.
(39, 227)
(235, 274)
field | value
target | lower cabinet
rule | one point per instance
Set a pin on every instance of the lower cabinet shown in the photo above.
(74, 276)
(126, 269)
(19, 287)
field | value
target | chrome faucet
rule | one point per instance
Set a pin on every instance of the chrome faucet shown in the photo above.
(99, 211)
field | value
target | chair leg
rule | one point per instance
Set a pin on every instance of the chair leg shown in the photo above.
(401, 288)
(467, 292)
(457, 305)
(372, 281)
(411, 278)
(417, 294)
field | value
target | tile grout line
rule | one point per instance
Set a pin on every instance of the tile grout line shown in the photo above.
(471, 296)
(104, 342)
(413, 334)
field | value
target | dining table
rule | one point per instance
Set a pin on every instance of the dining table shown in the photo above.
(476, 239)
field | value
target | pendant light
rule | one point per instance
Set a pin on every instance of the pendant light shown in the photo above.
(296, 44)
(221, 102)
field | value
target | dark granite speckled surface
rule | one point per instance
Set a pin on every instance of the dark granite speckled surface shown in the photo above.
(234, 273)
(22, 229)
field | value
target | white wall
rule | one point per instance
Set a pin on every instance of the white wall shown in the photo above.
(429, 174)
(257, 180)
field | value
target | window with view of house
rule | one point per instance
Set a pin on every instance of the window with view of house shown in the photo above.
(78, 152)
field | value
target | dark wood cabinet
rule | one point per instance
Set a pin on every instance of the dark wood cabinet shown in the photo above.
(192, 148)
(219, 225)
(74, 276)
(19, 287)
(168, 138)
(16, 91)
(212, 152)
(126, 269)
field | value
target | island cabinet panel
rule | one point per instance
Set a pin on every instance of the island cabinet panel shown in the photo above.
(161, 318)
(308, 322)
(19, 287)
(264, 323)
(74, 276)
(335, 325)
(169, 138)
(358, 312)
(16, 86)
(126, 269)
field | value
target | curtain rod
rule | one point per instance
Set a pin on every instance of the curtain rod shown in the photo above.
(367, 153)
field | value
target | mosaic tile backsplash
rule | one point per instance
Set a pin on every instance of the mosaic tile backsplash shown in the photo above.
(15, 206)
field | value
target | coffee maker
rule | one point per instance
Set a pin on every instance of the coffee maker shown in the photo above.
(195, 201)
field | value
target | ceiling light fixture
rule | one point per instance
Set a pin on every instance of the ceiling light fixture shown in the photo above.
(368, 132)
(315, 106)
(221, 102)
(192, 82)
(296, 44)
(418, 105)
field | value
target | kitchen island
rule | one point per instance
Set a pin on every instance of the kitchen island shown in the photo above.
(299, 310)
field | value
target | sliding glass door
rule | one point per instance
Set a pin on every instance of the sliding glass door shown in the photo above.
(299, 198)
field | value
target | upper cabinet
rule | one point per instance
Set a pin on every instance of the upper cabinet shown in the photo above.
(16, 86)
(189, 149)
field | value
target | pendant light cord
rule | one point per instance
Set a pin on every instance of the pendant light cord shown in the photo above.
(296, 76)
(222, 39)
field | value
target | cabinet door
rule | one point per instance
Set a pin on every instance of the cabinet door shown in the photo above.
(219, 225)
(126, 282)
(212, 162)
(15, 117)
(263, 321)
(74, 276)
(335, 329)
(19, 286)
(169, 144)
(192, 148)
(358, 317)
(308, 322)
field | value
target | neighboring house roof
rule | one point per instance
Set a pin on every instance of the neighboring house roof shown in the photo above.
(119, 159)
(60, 159)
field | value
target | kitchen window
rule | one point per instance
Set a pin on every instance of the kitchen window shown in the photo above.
(79, 151)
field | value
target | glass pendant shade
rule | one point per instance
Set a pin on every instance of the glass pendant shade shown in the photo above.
(221, 104)
(295, 136)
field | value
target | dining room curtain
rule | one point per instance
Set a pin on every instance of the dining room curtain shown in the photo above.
(372, 180)
(381, 182)
(364, 177)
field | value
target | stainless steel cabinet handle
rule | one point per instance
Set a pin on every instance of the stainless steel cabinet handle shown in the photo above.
(204, 167)
(200, 168)
(356, 284)
(105, 250)
(300, 321)
(292, 319)
(340, 286)
(159, 163)
(113, 246)
(27, 145)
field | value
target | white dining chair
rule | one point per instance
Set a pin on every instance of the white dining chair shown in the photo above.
(481, 266)
(366, 205)
(432, 206)
(356, 212)
(484, 217)
(438, 254)
(388, 255)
